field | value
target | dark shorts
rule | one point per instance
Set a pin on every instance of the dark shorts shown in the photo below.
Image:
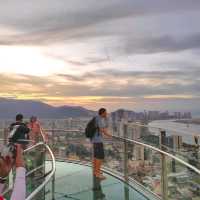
(98, 151)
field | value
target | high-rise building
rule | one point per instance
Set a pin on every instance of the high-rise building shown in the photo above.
(153, 115)
(139, 153)
(177, 141)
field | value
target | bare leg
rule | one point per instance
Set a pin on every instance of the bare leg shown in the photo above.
(98, 169)
(94, 166)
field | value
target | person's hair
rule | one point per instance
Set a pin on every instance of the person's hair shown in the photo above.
(19, 117)
(101, 111)
(33, 118)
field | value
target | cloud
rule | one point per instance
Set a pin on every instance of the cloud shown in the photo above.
(109, 83)
(114, 88)
(121, 52)
(54, 21)
(161, 44)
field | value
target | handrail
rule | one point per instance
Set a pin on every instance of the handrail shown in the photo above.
(132, 124)
(129, 141)
(33, 147)
(34, 170)
(50, 176)
(160, 151)
(156, 149)
(42, 133)
(47, 179)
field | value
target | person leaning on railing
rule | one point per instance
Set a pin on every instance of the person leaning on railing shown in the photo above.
(6, 164)
(97, 141)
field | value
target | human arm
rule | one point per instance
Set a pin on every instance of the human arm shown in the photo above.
(105, 132)
(43, 134)
(103, 128)
(19, 190)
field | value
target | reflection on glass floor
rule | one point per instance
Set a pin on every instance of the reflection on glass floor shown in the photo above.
(75, 181)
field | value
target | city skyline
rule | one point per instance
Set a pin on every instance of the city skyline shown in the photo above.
(116, 54)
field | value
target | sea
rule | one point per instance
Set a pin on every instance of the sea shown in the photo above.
(187, 131)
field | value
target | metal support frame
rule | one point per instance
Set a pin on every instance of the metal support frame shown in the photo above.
(125, 141)
(125, 153)
(164, 178)
(53, 187)
(125, 162)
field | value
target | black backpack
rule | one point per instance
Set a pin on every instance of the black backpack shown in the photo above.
(91, 128)
(19, 131)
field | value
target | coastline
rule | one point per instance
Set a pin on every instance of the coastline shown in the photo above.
(188, 121)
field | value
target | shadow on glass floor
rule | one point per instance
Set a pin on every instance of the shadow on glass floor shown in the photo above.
(97, 190)
(75, 182)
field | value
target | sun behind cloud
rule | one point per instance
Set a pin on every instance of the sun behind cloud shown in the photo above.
(29, 61)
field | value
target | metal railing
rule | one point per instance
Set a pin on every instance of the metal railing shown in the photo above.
(163, 160)
(50, 176)
(172, 141)
(158, 165)
(160, 174)
(167, 162)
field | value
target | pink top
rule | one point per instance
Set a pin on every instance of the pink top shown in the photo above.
(35, 127)
(19, 189)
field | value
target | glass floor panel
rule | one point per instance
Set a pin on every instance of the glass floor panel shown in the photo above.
(75, 182)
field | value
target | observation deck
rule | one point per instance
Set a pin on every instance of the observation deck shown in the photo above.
(142, 167)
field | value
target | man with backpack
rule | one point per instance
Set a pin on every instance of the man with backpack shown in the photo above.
(19, 132)
(95, 130)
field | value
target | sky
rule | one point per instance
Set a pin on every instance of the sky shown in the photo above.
(133, 54)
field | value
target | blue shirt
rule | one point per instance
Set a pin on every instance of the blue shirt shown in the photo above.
(101, 123)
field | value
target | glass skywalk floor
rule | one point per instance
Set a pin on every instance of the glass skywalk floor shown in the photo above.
(75, 182)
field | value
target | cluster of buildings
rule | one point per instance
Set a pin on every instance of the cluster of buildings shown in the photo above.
(68, 142)
(143, 164)
(157, 115)
(148, 115)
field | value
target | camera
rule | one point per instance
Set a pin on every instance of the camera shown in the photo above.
(9, 150)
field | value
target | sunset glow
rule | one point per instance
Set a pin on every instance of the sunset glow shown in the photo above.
(94, 54)
(28, 61)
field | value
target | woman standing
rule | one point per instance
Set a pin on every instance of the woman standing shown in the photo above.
(35, 134)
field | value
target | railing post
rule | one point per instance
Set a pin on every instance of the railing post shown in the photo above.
(164, 178)
(44, 161)
(162, 139)
(125, 153)
(53, 187)
(125, 161)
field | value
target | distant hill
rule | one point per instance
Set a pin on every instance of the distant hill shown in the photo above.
(10, 107)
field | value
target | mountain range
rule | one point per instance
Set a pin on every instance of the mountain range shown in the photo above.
(10, 107)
